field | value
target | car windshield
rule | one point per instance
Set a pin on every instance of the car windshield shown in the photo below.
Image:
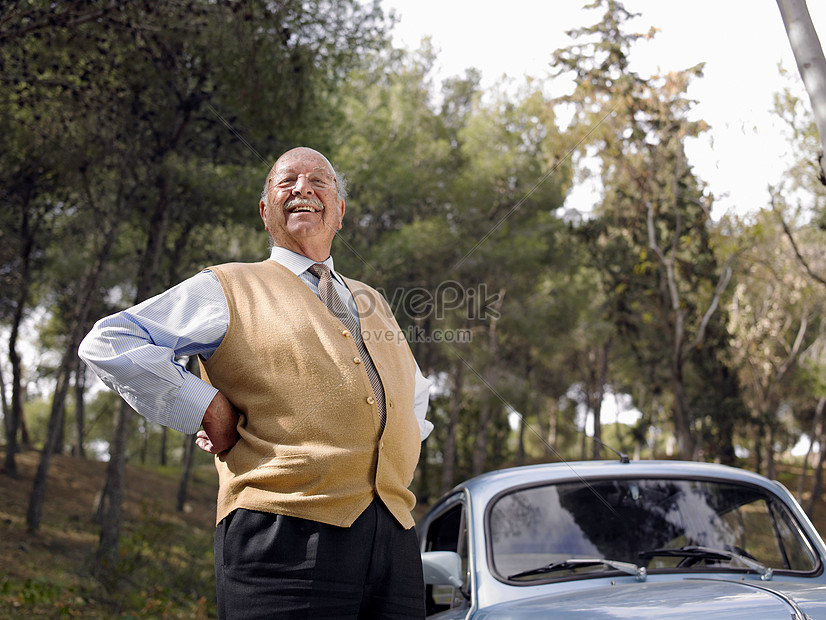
(659, 524)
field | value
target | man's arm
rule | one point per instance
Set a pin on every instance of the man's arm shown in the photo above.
(134, 352)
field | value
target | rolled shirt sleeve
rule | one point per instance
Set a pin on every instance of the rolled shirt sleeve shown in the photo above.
(135, 352)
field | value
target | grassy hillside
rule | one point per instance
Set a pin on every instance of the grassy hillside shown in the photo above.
(165, 566)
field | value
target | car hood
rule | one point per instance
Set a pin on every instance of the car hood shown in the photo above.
(687, 599)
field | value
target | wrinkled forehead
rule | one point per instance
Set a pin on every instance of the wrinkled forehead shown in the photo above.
(302, 162)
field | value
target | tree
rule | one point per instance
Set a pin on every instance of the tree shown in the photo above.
(775, 318)
(29, 209)
(811, 64)
(76, 327)
(184, 106)
(451, 212)
(651, 240)
(803, 192)
(400, 157)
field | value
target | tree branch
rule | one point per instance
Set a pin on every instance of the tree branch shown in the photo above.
(722, 284)
(797, 252)
(53, 18)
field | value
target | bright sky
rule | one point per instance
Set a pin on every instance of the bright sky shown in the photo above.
(742, 43)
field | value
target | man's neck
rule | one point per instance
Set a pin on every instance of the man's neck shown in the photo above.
(315, 252)
(287, 256)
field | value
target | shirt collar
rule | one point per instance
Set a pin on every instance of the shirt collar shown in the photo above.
(298, 263)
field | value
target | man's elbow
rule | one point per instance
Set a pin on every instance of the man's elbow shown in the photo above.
(91, 346)
(84, 349)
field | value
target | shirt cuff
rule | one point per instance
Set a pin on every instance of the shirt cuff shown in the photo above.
(192, 401)
(425, 426)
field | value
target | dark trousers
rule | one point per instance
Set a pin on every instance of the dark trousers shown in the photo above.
(273, 566)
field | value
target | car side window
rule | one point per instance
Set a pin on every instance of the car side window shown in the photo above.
(448, 532)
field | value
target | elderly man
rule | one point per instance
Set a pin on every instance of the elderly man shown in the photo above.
(316, 430)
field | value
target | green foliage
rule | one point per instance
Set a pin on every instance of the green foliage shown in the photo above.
(51, 598)
(166, 567)
(454, 212)
(181, 112)
(651, 242)
(777, 327)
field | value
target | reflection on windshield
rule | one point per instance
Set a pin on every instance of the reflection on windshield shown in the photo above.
(620, 519)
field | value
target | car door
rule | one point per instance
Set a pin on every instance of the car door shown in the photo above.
(446, 530)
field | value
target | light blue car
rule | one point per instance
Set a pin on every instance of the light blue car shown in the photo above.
(604, 540)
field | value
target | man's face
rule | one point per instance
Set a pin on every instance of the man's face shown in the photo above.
(303, 210)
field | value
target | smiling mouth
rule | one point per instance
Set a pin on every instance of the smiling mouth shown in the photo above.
(303, 206)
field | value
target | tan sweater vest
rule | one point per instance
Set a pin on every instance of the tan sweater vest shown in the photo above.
(310, 444)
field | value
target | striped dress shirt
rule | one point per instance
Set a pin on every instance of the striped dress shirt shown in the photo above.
(137, 352)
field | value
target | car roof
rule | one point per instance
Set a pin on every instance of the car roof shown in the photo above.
(585, 470)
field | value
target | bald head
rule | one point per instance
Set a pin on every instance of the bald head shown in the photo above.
(303, 151)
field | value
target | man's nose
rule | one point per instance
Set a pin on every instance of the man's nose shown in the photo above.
(302, 186)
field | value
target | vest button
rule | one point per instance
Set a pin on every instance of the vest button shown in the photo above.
(357, 360)
(371, 400)
(345, 333)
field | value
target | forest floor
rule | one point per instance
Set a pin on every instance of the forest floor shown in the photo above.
(165, 568)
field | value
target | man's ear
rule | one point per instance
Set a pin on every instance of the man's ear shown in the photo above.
(262, 211)
(341, 210)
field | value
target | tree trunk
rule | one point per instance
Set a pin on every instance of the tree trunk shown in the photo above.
(682, 424)
(6, 409)
(480, 449)
(817, 481)
(110, 508)
(80, 410)
(143, 435)
(758, 449)
(449, 452)
(53, 435)
(553, 422)
(814, 436)
(480, 446)
(811, 64)
(164, 437)
(111, 503)
(68, 362)
(801, 480)
(27, 236)
(15, 417)
(520, 446)
(593, 403)
(186, 472)
(25, 440)
(600, 375)
(725, 423)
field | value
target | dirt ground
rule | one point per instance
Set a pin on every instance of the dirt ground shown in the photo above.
(45, 571)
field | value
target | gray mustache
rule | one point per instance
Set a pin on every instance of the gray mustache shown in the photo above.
(296, 202)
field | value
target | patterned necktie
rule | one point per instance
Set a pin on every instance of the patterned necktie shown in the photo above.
(328, 294)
